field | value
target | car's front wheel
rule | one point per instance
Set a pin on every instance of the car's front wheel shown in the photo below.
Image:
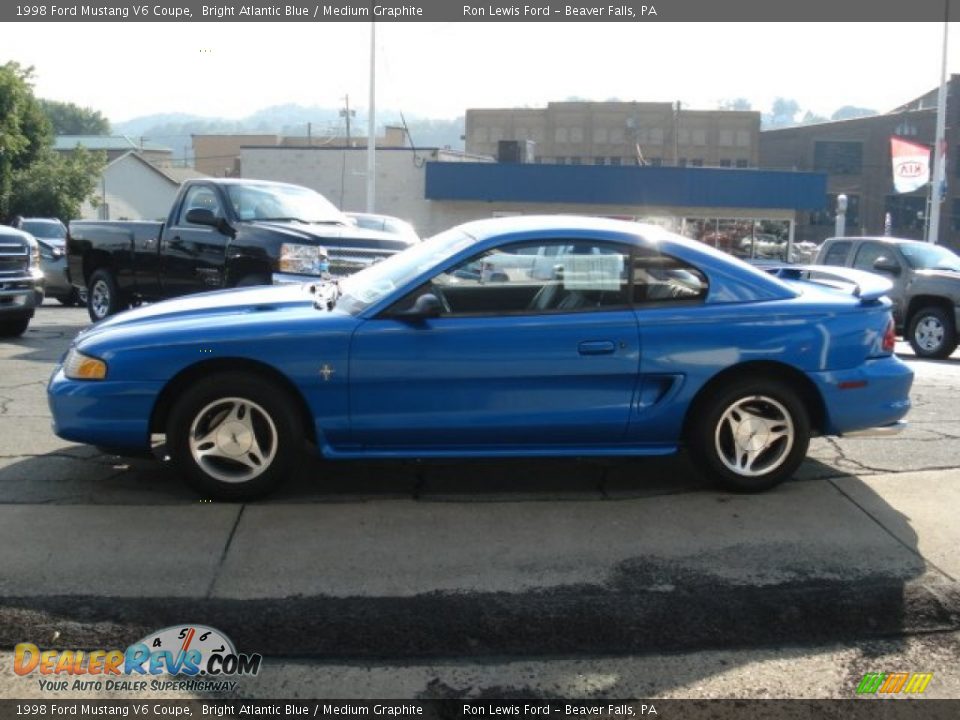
(931, 333)
(14, 328)
(750, 434)
(235, 436)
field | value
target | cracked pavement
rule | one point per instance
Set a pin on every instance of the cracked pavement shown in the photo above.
(438, 564)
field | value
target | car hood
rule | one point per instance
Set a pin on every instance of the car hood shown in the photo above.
(213, 308)
(327, 234)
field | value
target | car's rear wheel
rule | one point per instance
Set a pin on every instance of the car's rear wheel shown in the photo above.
(103, 296)
(750, 434)
(931, 333)
(235, 436)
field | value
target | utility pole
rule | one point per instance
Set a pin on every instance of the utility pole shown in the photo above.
(676, 136)
(938, 184)
(372, 124)
(346, 114)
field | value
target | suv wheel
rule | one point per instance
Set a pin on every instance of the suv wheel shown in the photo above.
(14, 328)
(931, 333)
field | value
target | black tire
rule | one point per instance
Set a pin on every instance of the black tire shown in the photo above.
(931, 333)
(256, 435)
(253, 280)
(14, 328)
(758, 406)
(103, 296)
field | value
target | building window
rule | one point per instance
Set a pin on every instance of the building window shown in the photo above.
(725, 163)
(599, 160)
(906, 213)
(743, 138)
(741, 163)
(560, 161)
(697, 162)
(615, 160)
(906, 129)
(576, 160)
(576, 134)
(726, 138)
(827, 217)
(655, 162)
(838, 157)
(682, 162)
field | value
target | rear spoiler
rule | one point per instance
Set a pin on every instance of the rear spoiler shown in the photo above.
(867, 286)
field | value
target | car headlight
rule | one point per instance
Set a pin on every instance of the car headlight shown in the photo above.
(78, 366)
(302, 259)
(35, 255)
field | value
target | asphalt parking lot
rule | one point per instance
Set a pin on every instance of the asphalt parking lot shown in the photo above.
(445, 561)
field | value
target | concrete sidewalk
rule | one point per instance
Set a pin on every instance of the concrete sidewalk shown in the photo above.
(814, 560)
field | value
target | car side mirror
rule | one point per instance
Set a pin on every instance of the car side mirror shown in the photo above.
(202, 216)
(426, 306)
(886, 265)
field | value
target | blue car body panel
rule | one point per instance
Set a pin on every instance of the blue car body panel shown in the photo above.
(603, 382)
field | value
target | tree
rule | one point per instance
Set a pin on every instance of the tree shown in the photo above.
(24, 130)
(849, 112)
(784, 111)
(735, 104)
(56, 184)
(70, 119)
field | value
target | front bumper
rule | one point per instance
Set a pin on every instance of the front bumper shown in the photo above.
(102, 412)
(873, 395)
(17, 295)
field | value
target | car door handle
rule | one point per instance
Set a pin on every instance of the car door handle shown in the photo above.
(597, 347)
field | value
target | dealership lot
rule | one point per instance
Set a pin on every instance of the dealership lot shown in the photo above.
(452, 560)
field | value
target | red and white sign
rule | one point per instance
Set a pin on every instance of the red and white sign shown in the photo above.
(911, 165)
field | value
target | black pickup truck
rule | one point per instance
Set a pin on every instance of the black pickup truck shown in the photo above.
(220, 233)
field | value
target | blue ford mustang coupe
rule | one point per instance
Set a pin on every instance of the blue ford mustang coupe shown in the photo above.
(518, 337)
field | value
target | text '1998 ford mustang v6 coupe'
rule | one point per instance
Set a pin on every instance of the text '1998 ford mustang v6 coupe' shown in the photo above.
(517, 337)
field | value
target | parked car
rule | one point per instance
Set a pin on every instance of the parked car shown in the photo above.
(641, 342)
(926, 286)
(20, 280)
(766, 246)
(51, 235)
(220, 233)
(385, 223)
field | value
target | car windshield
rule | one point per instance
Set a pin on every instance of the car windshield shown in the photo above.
(371, 285)
(930, 257)
(45, 229)
(283, 202)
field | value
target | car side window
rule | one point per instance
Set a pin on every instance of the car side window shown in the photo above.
(837, 254)
(659, 279)
(559, 276)
(868, 254)
(202, 197)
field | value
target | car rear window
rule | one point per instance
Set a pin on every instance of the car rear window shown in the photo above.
(837, 254)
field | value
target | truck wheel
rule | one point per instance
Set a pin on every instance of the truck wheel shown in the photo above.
(103, 297)
(14, 328)
(235, 435)
(931, 333)
(750, 434)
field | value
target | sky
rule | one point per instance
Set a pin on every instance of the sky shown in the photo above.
(441, 69)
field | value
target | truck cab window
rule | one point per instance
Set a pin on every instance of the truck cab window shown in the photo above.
(199, 197)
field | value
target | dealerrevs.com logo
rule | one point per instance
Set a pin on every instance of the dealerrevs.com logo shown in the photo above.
(194, 651)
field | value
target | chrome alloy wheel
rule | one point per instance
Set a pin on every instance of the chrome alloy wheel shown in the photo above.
(233, 440)
(929, 333)
(754, 436)
(100, 298)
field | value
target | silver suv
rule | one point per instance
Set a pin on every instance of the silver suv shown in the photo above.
(926, 285)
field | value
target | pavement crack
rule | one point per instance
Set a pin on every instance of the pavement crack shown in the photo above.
(223, 555)
(909, 548)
